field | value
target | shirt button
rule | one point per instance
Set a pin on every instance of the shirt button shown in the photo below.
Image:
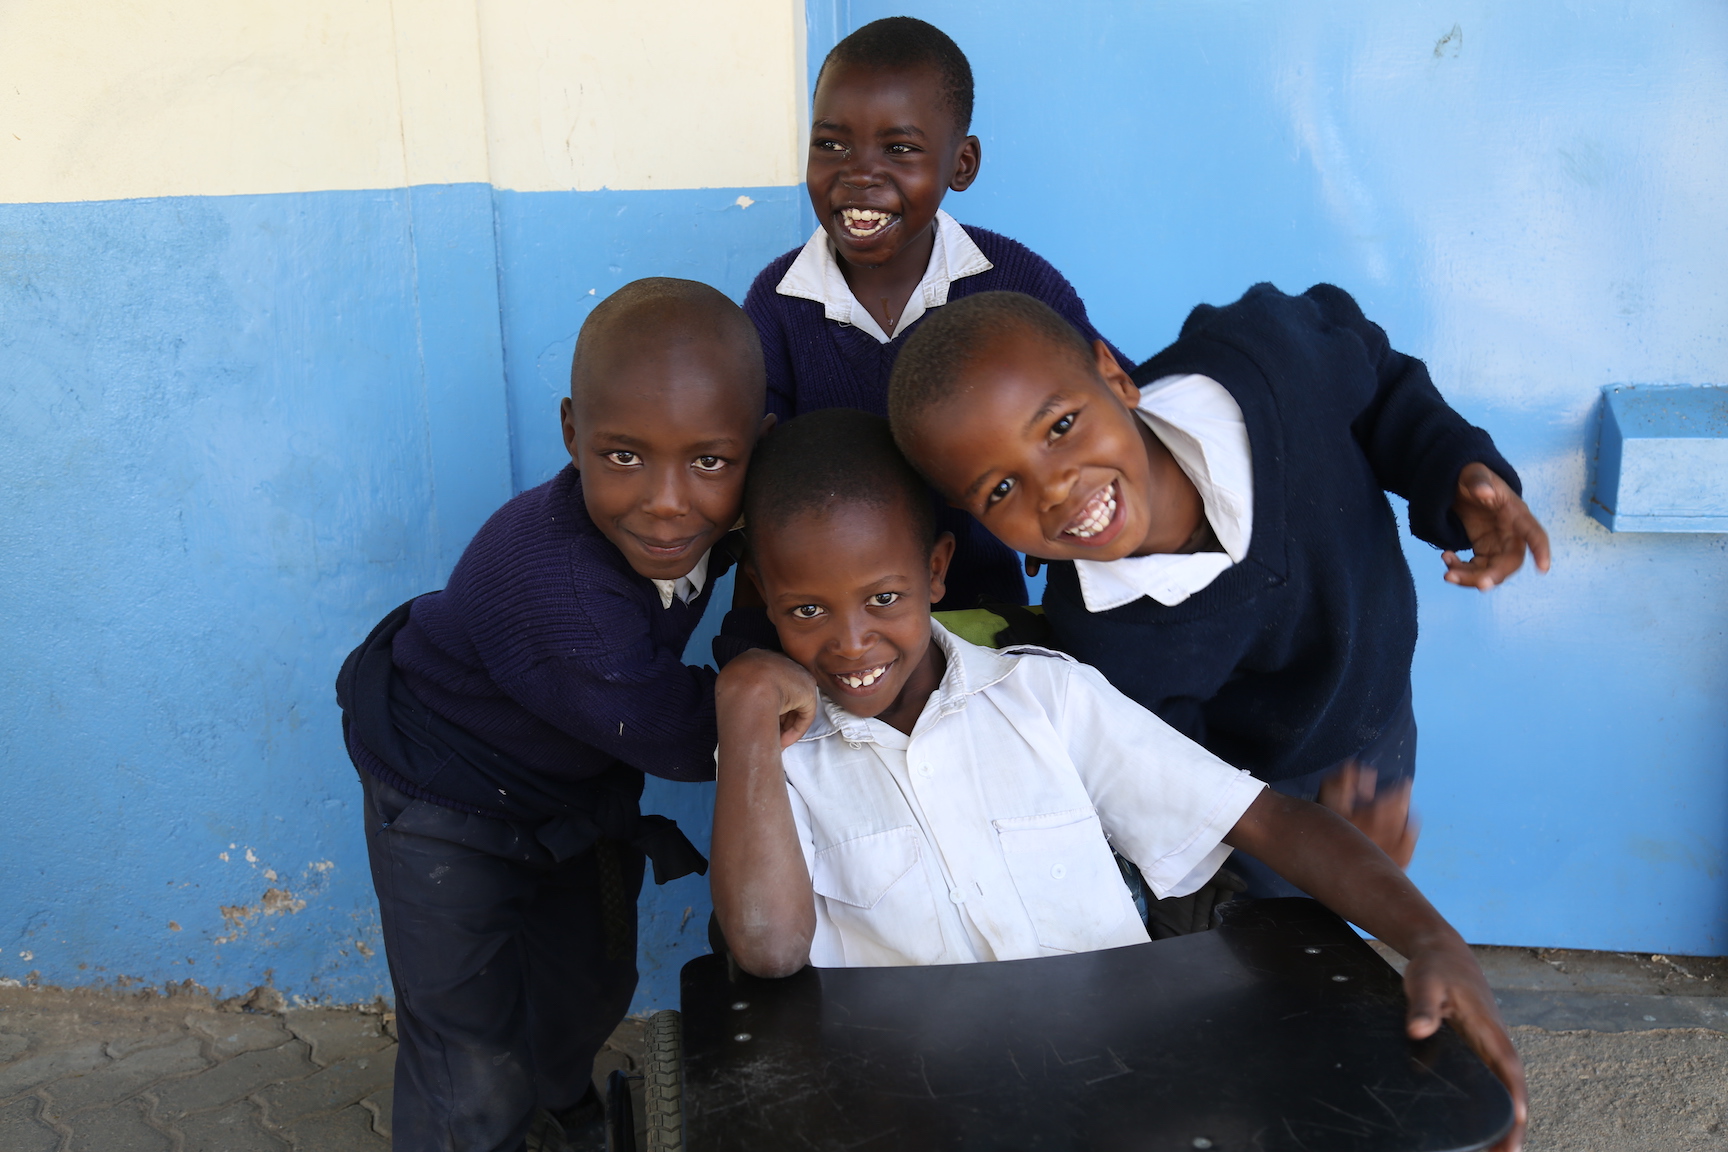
(853, 744)
(926, 770)
(1057, 871)
(957, 896)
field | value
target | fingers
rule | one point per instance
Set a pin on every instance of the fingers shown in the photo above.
(1536, 537)
(1032, 565)
(1427, 1004)
(1485, 1034)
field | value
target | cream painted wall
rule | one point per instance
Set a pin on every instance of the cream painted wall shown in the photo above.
(102, 99)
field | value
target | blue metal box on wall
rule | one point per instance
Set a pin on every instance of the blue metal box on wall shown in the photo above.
(1662, 459)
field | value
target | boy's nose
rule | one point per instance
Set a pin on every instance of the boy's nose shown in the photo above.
(854, 638)
(1056, 489)
(666, 496)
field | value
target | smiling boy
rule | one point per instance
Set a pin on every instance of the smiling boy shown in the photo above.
(1226, 554)
(889, 139)
(890, 794)
(502, 727)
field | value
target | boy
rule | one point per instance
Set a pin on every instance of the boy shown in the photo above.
(888, 140)
(1227, 555)
(945, 803)
(502, 727)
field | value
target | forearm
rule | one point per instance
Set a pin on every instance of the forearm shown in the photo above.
(1324, 855)
(760, 884)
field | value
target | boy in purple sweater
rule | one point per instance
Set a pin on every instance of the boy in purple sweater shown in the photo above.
(502, 727)
(888, 140)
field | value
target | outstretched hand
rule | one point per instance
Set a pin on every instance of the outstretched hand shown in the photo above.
(1500, 526)
(1446, 985)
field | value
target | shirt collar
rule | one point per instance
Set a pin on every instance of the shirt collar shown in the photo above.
(686, 587)
(971, 669)
(1201, 423)
(815, 275)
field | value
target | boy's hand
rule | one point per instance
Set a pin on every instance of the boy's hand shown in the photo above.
(1384, 818)
(1445, 984)
(1500, 526)
(759, 678)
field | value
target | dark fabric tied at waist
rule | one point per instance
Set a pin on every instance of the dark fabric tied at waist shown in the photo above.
(417, 745)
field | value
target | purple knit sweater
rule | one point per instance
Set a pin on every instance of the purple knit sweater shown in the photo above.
(814, 362)
(549, 647)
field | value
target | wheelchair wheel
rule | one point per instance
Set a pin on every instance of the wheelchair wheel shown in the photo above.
(663, 1083)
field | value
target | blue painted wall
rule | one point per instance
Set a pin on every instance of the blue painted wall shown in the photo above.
(235, 430)
(1530, 197)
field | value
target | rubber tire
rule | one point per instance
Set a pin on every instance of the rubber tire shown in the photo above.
(663, 1082)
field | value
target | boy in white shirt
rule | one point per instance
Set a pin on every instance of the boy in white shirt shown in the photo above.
(891, 794)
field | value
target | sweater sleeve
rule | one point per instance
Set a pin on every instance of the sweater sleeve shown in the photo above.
(761, 305)
(658, 719)
(601, 677)
(1415, 442)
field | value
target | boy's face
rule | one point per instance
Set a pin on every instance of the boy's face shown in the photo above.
(1045, 450)
(661, 438)
(884, 150)
(849, 590)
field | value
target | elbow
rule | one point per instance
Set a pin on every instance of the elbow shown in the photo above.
(772, 963)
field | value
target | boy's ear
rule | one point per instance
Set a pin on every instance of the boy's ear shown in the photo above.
(567, 420)
(941, 555)
(1115, 377)
(966, 163)
(767, 425)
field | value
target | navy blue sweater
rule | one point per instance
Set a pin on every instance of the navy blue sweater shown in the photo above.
(814, 362)
(548, 648)
(1295, 658)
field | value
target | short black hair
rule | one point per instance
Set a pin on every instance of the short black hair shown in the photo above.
(929, 367)
(659, 308)
(829, 458)
(907, 42)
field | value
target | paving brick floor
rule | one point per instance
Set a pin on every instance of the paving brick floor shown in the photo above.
(1626, 1053)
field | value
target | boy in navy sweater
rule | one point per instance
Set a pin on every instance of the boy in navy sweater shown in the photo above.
(888, 140)
(1223, 549)
(502, 727)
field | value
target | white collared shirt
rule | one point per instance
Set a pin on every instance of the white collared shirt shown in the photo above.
(815, 275)
(986, 834)
(686, 587)
(1202, 425)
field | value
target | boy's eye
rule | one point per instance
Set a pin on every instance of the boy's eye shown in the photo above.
(1000, 492)
(829, 146)
(884, 599)
(709, 463)
(1061, 427)
(807, 611)
(901, 149)
(624, 459)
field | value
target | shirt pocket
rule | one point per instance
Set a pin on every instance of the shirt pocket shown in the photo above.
(1067, 878)
(879, 899)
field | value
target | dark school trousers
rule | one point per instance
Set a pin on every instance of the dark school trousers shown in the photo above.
(510, 968)
(1392, 756)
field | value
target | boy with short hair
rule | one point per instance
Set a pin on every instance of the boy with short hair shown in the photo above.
(892, 794)
(1223, 549)
(502, 727)
(889, 139)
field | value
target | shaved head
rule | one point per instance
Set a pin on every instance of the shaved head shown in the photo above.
(654, 315)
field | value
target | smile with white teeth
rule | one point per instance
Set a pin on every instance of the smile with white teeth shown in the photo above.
(1096, 516)
(862, 679)
(862, 223)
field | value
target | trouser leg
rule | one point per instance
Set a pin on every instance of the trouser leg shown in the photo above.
(494, 963)
(579, 950)
(1392, 756)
